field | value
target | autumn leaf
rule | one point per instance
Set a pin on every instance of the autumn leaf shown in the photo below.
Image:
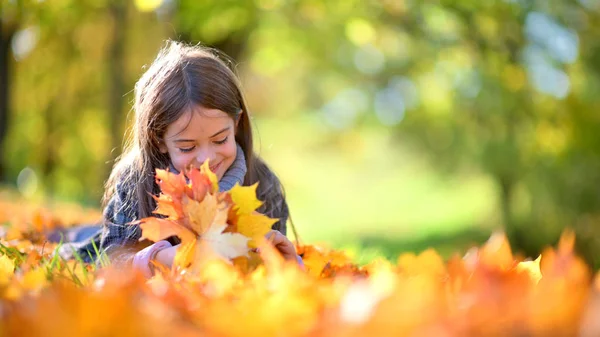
(156, 229)
(532, 268)
(226, 245)
(185, 254)
(496, 252)
(199, 184)
(201, 215)
(165, 205)
(254, 226)
(244, 198)
(34, 280)
(317, 258)
(428, 262)
(7, 268)
(170, 183)
(205, 169)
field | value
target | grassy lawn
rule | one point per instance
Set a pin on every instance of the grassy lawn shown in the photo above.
(365, 193)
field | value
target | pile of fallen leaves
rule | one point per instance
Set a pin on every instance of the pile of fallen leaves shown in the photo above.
(228, 281)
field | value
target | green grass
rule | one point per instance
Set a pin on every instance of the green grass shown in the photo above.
(364, 192)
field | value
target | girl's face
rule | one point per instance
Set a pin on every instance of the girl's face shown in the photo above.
(199, 135)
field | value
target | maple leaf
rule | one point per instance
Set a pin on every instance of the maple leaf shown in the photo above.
(563, 263)
(497, 252)
(205, 169)
(429, 262)
(7, 268)
(316, 259)
(226, 245)
(244, 198)
(185, 254)
(254, 226)
(532, 268)
(165, 205)
(201, 215)
(156, 229)
(199, 184)
(170, 183)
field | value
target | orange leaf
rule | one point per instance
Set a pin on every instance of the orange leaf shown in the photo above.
(201, 215)
(496, 252)
(199, 184)
(167, 207)
(156, 229)
(170, 183)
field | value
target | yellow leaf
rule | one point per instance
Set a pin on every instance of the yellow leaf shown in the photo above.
(156, 229)
(79, 271)
(244, 198)
(429, 262)
(185, 254)
(205, 169)
(7, 268)
(34, 279)
(532, 268)
(13, 292)
(203, 214)
(14, 233)
(254, 226)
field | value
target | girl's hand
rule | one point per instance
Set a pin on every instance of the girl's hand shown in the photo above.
(281, 242)
(166, 256)
(284, 246)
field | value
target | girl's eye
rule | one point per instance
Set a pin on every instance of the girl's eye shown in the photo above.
(187, 149)
(220, 142)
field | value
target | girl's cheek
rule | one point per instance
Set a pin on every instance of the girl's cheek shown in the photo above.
(182, 161)
(230, 149)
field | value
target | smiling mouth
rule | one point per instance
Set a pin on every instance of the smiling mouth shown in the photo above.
(215, 167)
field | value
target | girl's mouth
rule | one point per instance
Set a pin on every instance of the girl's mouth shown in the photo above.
(214, 168)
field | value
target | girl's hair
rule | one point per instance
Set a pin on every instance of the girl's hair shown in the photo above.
(181, 77)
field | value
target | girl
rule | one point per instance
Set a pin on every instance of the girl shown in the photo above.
(189, 108)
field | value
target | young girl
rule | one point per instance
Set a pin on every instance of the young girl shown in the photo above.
(189, 108)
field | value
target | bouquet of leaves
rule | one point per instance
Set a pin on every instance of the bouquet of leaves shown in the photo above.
(209, 223)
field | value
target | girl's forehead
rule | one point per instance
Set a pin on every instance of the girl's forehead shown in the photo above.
(199, 122)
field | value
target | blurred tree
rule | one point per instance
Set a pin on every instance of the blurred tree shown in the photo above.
(10, 19)
(507, 87)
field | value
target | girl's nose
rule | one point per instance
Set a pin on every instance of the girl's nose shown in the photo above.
(202, 156)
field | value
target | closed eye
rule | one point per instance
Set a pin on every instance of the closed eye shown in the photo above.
(221, 142)
(187, 149)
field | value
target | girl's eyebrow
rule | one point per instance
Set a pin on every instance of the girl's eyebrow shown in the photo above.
(192, 140)
(221, 131)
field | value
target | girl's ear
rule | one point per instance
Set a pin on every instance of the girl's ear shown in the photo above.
(162, 146)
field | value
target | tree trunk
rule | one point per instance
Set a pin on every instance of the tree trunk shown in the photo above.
(51, 143)
(506, 185)
(5, 72)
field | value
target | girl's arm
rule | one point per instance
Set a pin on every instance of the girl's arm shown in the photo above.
(120, 238)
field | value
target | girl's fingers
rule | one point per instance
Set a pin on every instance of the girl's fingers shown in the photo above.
(283, 244)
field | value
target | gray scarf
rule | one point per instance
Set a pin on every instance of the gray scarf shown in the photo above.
(234, 174)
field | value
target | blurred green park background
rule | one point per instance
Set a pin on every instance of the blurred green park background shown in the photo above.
(395, 125)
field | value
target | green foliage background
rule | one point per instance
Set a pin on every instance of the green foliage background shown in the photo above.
(395, 124)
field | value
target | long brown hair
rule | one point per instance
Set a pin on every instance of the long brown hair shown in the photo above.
(181, 77)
